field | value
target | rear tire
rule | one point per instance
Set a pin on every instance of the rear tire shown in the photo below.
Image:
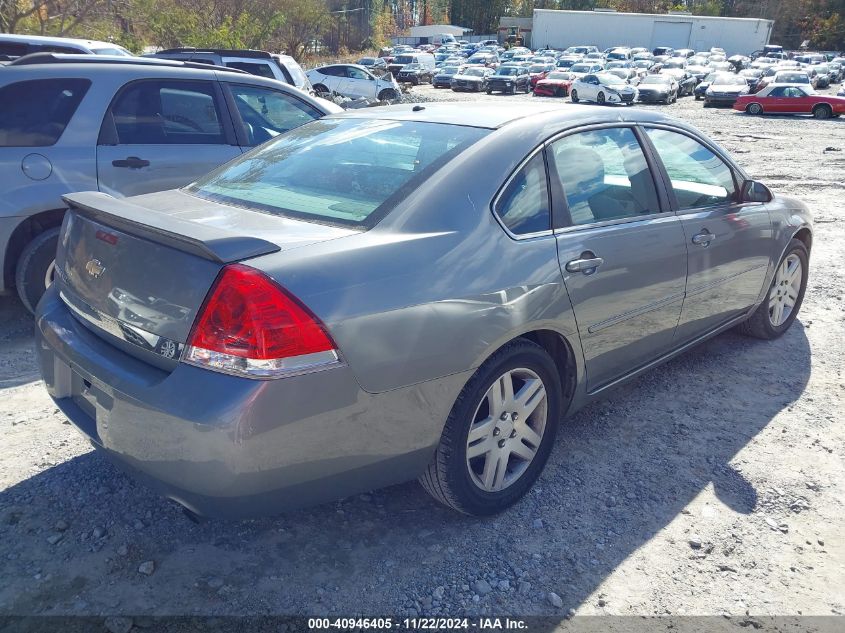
(600, 98)
(822, 111)
(453, 476)
(320, 89)
(574, 96)
(763, 323)
(34, 271)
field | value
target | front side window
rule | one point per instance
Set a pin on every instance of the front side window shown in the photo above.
(604, 176)
(36, 113)
(523, 206)
(356, 73)
(167, 112)
(267, 113)
(699, 177)
(340, 171)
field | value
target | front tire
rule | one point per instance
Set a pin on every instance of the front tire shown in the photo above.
(499, 433)
(574, 96)
(35, 268)
(600, 98)
(754, 108)
(780, 308)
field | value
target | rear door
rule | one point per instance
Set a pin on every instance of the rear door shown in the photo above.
(729, 243)
(163, 134)
(620, 247)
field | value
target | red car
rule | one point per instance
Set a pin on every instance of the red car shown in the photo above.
(555, 84)
(791, 99)
(539, 71)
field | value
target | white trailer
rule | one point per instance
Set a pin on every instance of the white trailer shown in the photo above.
(560, 29)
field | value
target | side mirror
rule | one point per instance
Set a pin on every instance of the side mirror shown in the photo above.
(753, 191)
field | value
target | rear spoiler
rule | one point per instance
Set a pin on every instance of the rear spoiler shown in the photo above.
(208, 242)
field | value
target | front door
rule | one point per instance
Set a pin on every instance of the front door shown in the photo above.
(729, 244)
(622, 253)
(162, 134)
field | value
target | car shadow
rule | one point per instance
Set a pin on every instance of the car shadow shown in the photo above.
(622, 470)
(17, 361)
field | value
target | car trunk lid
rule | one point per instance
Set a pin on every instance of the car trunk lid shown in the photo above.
(137, 271)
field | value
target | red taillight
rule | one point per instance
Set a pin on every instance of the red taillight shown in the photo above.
(250, 325)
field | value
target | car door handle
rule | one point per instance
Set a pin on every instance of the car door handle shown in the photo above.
(132, 162)
(703, 239)
(587, 266)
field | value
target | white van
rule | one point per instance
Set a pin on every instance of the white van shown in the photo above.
(442, 39)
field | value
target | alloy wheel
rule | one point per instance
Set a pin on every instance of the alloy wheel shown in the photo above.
(785, 290)
(507, 429)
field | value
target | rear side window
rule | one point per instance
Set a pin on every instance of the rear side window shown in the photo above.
(13, 49)
(340, 171)
(167, 112)
(523, 206)
(35, 113)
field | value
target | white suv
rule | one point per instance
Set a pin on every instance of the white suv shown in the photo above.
(351, 80)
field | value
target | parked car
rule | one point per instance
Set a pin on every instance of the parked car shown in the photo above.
(509, 78)
(602, 88)
(556, 84)
(537, 72)
(753, 77)
(703, 85)
(586, 68)
(373, 64)
(658, 89)
(793, 77)
(841, 92)
(663, 51)
(273, 66)
(791, 99)
(123, 125)
(302, 352)
(13, 46)
(725, 89)
(686, 82)
(426, 60)
(354, 81)
(819, 75)
(416, 74)
(472, 79)
(443, 78)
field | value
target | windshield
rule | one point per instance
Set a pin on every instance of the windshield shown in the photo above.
(559, 76)
(581, 68)
(405, 59)
(538, 68)
(654, 79)
(508, 71)
(675, 63)
(729, 80)
(340, 171)
(792, 78)
(474, 72)
(448, 70)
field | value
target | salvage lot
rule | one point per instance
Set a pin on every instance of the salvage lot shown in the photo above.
(711, 485)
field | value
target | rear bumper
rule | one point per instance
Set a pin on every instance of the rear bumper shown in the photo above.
(232, 447)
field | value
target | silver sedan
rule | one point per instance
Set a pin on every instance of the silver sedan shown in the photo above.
(405, 292)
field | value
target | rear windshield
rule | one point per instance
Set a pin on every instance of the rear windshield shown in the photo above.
(350, 172)
(35, 113)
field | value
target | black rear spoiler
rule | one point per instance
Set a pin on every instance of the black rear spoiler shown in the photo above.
(208, 242)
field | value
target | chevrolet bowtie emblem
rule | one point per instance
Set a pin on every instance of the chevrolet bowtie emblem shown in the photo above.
(95, 268)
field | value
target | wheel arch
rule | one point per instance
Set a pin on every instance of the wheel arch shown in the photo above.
(561, 351)
(806, 236)
(23, 234)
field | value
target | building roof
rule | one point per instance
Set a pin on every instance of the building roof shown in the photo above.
(436, 29)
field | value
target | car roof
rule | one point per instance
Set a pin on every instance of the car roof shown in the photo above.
(45, 39)
(64, 65)
(496, 115)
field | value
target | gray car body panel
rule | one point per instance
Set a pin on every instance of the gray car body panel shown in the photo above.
(415, 305)
(73, 159)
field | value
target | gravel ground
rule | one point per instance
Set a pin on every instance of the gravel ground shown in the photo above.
(713, 485)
